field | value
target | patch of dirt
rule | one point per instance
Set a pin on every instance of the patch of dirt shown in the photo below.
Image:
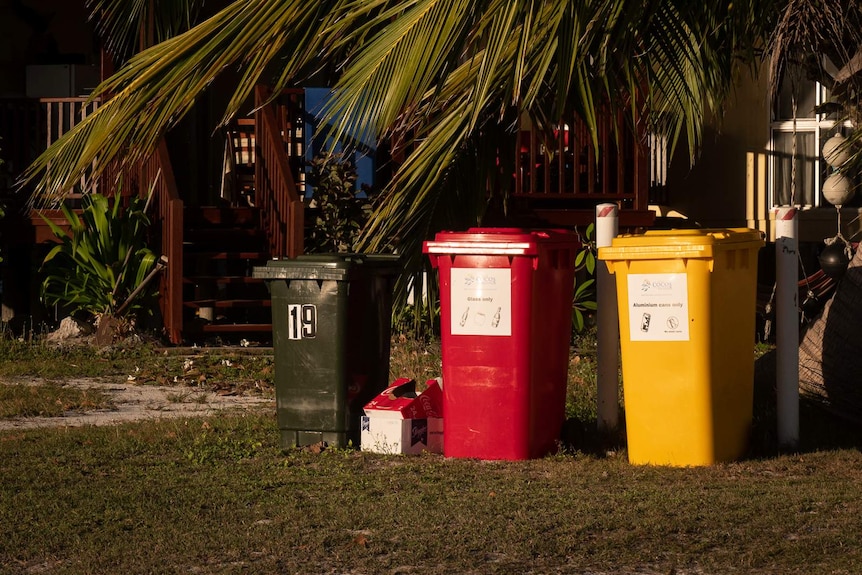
(130, 402)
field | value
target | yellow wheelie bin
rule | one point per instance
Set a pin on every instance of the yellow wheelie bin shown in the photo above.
(687, 303)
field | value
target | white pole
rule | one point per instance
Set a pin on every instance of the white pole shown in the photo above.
(787, 326)
(607, 319)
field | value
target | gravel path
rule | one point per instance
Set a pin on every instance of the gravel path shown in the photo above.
(132, 402)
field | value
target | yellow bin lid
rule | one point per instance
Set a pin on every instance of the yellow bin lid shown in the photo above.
(676, 244)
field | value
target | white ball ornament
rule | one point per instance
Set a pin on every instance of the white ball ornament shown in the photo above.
(838, 189)
(835, 152)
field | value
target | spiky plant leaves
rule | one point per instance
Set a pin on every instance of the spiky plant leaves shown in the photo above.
(101, 259)
(126, 25)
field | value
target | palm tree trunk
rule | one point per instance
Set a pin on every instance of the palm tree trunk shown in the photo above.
(830, 358)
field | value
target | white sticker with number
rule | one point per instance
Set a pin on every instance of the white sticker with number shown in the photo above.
(301, 321)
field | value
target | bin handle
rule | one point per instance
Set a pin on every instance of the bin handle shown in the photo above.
(481, 248)
(355, 258)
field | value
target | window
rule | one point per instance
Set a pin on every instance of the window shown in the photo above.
(808, 130)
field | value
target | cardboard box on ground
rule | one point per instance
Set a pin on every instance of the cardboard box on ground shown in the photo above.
(402, 421)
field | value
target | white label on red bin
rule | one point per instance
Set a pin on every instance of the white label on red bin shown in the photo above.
(658, 307)
(481, 300)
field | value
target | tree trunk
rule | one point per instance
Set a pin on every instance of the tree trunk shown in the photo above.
(108, 331)
(830, 358)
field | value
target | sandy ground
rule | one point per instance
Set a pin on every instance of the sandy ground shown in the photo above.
(138, 402)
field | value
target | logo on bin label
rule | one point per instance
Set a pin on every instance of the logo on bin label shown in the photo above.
(647, 285)
(480, 280)
(301, 321)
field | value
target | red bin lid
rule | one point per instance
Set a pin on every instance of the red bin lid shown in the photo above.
(497, 241)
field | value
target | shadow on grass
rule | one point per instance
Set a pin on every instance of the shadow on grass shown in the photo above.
(820, 429)
(585, 437)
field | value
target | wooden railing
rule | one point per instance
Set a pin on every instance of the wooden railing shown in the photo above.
(167, 214)
(276, 194)
(62, 114)
(570, 167)
(29, 125)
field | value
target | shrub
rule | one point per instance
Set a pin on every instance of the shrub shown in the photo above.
(101, 265)
(340, 213)
(584, 301)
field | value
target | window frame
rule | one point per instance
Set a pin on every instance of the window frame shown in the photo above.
(817, 125)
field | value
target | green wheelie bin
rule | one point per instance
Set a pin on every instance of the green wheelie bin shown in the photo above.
(331, 323)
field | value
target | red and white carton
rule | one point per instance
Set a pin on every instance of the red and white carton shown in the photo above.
(402, 421)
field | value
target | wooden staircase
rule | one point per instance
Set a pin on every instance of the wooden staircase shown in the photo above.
(221, 301)
(207, 292)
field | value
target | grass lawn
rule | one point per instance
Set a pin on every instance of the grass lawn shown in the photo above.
(218, 495)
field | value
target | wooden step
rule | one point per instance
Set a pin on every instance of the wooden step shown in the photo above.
(224, 235)
(234, 328)
(223, 280)
(228, 303)
(221, 245)
(230, 255)
(194, 217)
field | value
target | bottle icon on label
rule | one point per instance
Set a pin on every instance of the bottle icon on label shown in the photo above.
(464, 317)
(496, 319)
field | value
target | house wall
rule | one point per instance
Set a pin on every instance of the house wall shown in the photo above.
(728, 184)
(38, 32)
(713, 191)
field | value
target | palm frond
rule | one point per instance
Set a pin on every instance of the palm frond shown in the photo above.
(448, 77)
(670, 60)
(157, 87)
(128, 25)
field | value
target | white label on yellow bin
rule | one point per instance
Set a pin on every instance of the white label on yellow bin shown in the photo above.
(481, 301)
(658, 307)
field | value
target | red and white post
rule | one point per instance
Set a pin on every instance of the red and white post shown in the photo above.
(607, 319)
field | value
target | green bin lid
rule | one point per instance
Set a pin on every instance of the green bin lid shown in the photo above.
(675, 244)
(335, 267)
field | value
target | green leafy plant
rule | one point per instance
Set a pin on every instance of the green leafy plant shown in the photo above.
(418, 317)
(340, 214)
(101, 265)
(584, 301)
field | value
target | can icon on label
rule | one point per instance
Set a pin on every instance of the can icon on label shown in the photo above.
(645, 322)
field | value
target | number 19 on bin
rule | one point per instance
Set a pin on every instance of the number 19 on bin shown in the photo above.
(302, 320)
